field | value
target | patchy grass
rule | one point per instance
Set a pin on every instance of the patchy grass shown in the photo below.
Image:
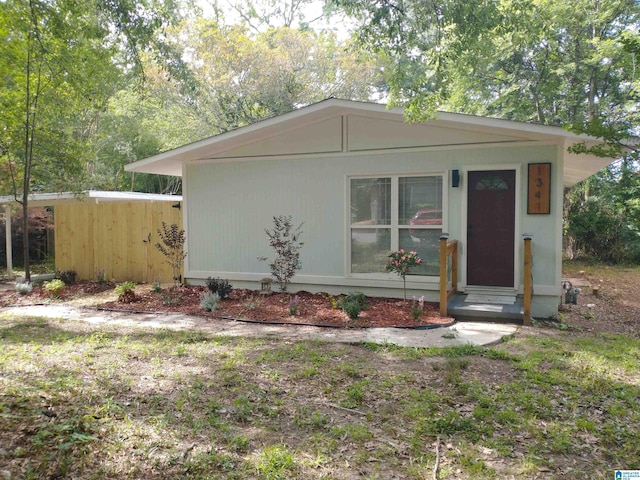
(80, 401)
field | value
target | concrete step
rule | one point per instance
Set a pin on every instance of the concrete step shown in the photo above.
(459, 309)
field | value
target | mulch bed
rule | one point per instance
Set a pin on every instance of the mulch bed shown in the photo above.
(248, 305)
(314, 309)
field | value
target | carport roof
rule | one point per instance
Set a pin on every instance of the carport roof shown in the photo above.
(90, 196)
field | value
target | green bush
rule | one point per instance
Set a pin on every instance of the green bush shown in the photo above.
(125, 292)
(219, 286)
(351, 307)
(357, 297)
(209, 301)
(54, 287)
(124, 286)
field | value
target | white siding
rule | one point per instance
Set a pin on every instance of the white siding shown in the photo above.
(229, 204)
(366, 133)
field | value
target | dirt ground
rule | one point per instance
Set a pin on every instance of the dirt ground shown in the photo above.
(615, 308)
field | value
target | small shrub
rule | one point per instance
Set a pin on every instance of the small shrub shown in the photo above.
(125, 292)
(417, 307)
(157, 287)
(209, 301)
(221, 287)
(334, 302)
(358, 297)
(351, 307)
(101, 276)
(124, 286)
(170, 299)
(24, 288)
(402, 262)
(285, 240)
(67, 276)
(54, 287)
(294, 306)
(171, 245)
(252, 303)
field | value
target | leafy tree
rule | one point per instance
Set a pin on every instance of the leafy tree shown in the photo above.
(61, 60)
(235, 79)
(569, 64)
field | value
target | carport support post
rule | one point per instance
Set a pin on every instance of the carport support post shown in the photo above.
(7, 230)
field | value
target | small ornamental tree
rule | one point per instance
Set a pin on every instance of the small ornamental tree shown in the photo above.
(171, 245)
(285, 240)
(401, 262)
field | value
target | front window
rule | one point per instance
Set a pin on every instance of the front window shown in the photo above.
(393, 212)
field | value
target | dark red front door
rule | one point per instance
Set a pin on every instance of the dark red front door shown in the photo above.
(491, 228)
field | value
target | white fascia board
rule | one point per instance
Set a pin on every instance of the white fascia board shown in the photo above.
(101, 196)
(577, 167)
(49, 199)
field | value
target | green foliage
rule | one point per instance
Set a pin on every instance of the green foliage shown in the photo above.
(124, 287)
(125, 291)
(603, 217)
(401, 263)
(353, 304)
(54, 287)
(357, 297)
(219, 286)
(276, 462)
(285, 241)
(171, 245)
(351, 307)
(209, 301)
(562, 395)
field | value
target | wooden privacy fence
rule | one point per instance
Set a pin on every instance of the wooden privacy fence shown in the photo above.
(118, 238)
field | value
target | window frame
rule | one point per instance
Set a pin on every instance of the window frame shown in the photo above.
(394, 226)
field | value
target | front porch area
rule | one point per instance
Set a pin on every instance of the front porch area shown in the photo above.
(464, 307)
(500, 308)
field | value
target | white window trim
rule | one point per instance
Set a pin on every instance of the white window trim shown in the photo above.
(394, 226)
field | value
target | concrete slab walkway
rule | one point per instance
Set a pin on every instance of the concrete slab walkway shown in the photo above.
(463, 333)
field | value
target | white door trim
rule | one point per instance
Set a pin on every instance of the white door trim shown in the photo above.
(463, 227)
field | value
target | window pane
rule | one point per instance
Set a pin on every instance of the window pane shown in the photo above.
(420, 201)
(371, 201)
(369, 249)
(426, 243)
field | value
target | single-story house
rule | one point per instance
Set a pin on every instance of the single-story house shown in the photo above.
(364, 182)
(101, 233)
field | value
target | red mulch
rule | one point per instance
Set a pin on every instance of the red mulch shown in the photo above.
(314, 309)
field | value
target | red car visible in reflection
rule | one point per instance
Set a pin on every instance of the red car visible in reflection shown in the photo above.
(424, 217)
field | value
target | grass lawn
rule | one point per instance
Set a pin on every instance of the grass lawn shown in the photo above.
(93, 402)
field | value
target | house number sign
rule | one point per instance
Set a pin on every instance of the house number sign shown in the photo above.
(539, 199)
